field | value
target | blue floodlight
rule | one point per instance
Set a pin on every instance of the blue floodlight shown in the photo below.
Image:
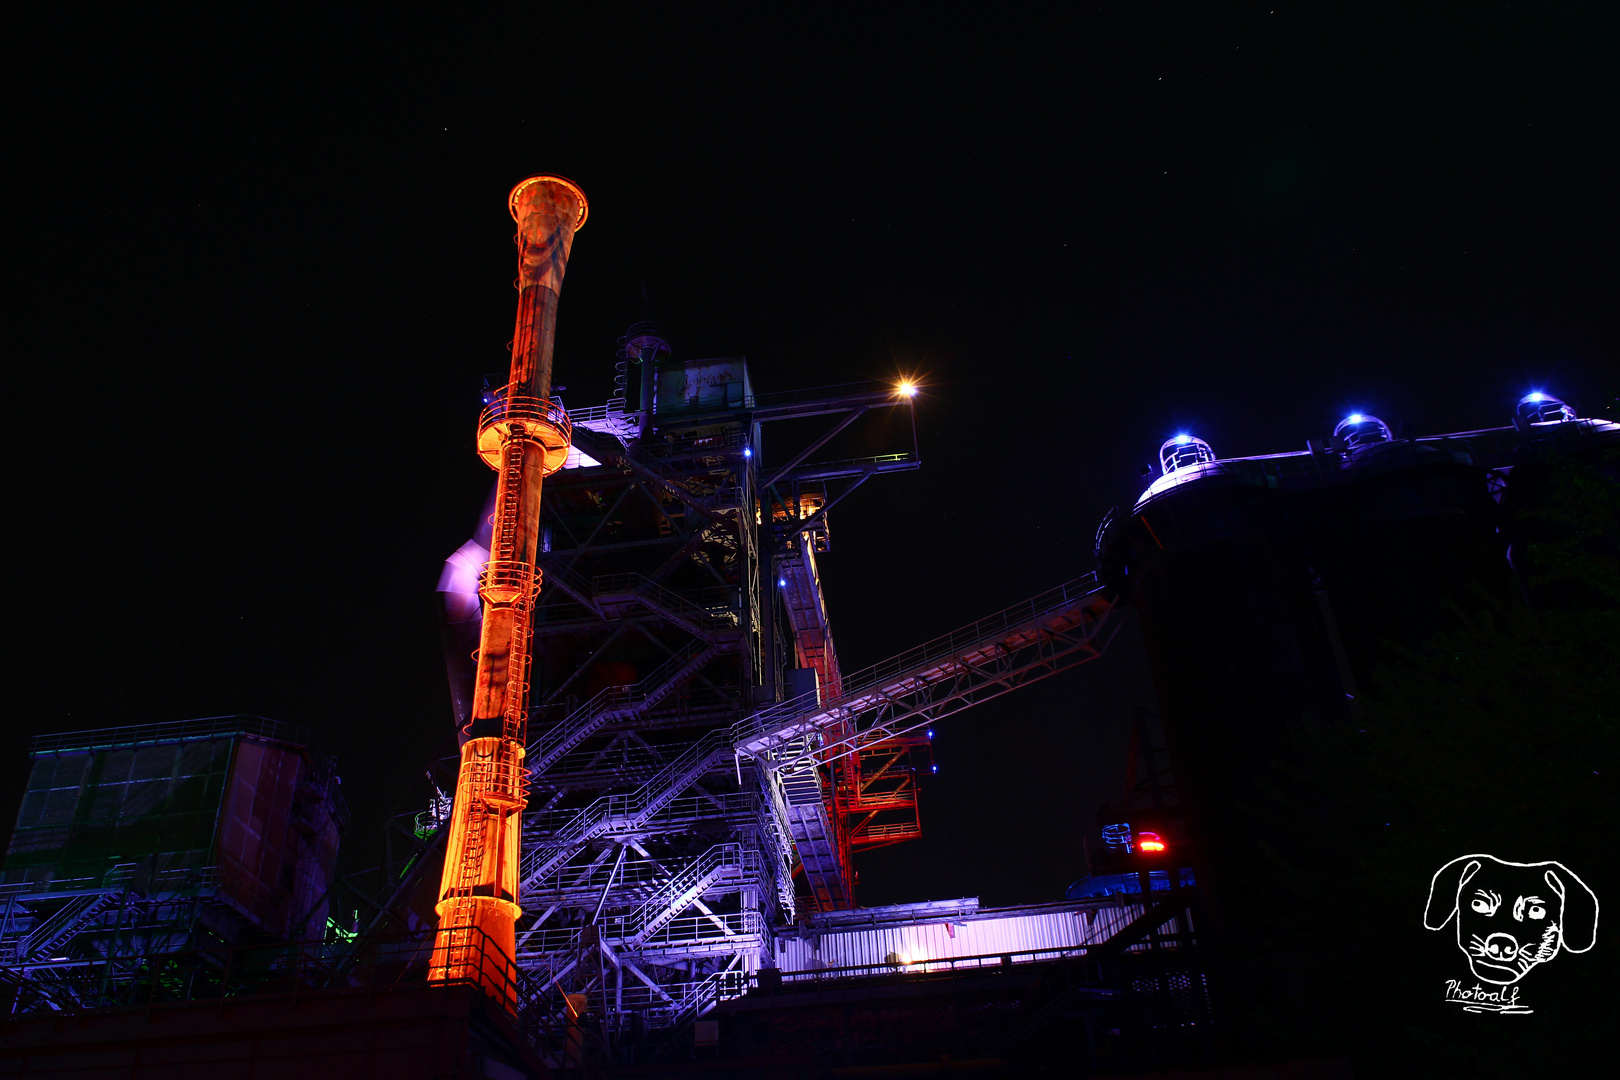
(748, 451)
(1539, 407)
(1361, 430)
(1183, 451)
(930, 733)
(936, 768)
(782, 582)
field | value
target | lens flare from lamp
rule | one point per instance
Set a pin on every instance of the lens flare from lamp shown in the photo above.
(1183, 439)
(907, 388)
(1355, 418)
(1536, 396)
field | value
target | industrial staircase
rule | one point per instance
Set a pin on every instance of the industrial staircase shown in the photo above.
(619, 704)
(612, 593)
(619, 814)
(807, 820)
(609, 595)
(728, 864)
(66, 921)
(559, 959)
(722, 862)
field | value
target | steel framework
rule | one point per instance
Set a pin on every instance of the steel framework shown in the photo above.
(701, 771)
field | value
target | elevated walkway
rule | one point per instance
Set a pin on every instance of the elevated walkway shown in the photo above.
(1046, 634)
(1041, 636)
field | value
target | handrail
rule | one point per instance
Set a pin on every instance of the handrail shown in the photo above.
(553, 742)
(642, 586)
(595, 819)
(976, 640)
(206, 727)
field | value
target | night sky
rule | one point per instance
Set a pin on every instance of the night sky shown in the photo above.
(261, 264)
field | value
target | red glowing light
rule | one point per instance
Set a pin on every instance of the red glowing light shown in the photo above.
(1149, 841)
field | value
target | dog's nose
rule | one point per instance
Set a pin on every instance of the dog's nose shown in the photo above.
(1501, 947)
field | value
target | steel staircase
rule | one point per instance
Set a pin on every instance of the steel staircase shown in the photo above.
(722, 862)
(63, 923)
(612, 593)
(618, 814)
(618, 704)
(804, 806)
(607, 595)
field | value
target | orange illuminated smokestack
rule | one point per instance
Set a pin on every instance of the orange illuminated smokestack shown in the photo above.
(524, 437)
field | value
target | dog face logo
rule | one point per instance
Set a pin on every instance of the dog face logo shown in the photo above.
(1511, 916)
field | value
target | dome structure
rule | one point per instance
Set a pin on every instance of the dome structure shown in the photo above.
(1361, 430)
(1183, 451)
(1538, 407)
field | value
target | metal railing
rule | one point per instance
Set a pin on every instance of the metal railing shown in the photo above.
(207, 727)
(976, 642)
(701, 617)
(616, 702)
(624, 813)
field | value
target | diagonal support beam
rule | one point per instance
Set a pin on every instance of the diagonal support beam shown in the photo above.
(815, 519)
(799, 458)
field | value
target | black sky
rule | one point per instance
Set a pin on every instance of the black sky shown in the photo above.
(262, 262)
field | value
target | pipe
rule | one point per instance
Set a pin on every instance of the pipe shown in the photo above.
(524, 436)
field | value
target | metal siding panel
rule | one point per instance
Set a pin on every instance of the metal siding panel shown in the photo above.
(867, 947)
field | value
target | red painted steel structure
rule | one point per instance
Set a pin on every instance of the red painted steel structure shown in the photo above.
(524, 436)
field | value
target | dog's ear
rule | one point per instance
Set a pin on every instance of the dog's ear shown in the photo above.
(1448, 882)
(1580, 908)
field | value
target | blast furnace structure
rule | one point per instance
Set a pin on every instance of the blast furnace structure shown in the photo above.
(700, 772)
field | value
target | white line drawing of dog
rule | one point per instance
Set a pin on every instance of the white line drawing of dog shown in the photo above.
(1511, 916)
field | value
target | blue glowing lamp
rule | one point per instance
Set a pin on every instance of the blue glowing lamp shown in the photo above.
(1361, 430)
(1183, 451)
(1539, 407)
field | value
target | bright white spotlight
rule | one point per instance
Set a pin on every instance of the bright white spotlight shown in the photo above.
(907, 388)
(1355, 418)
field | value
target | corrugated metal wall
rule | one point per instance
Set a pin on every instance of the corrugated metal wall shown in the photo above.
(983, 934)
